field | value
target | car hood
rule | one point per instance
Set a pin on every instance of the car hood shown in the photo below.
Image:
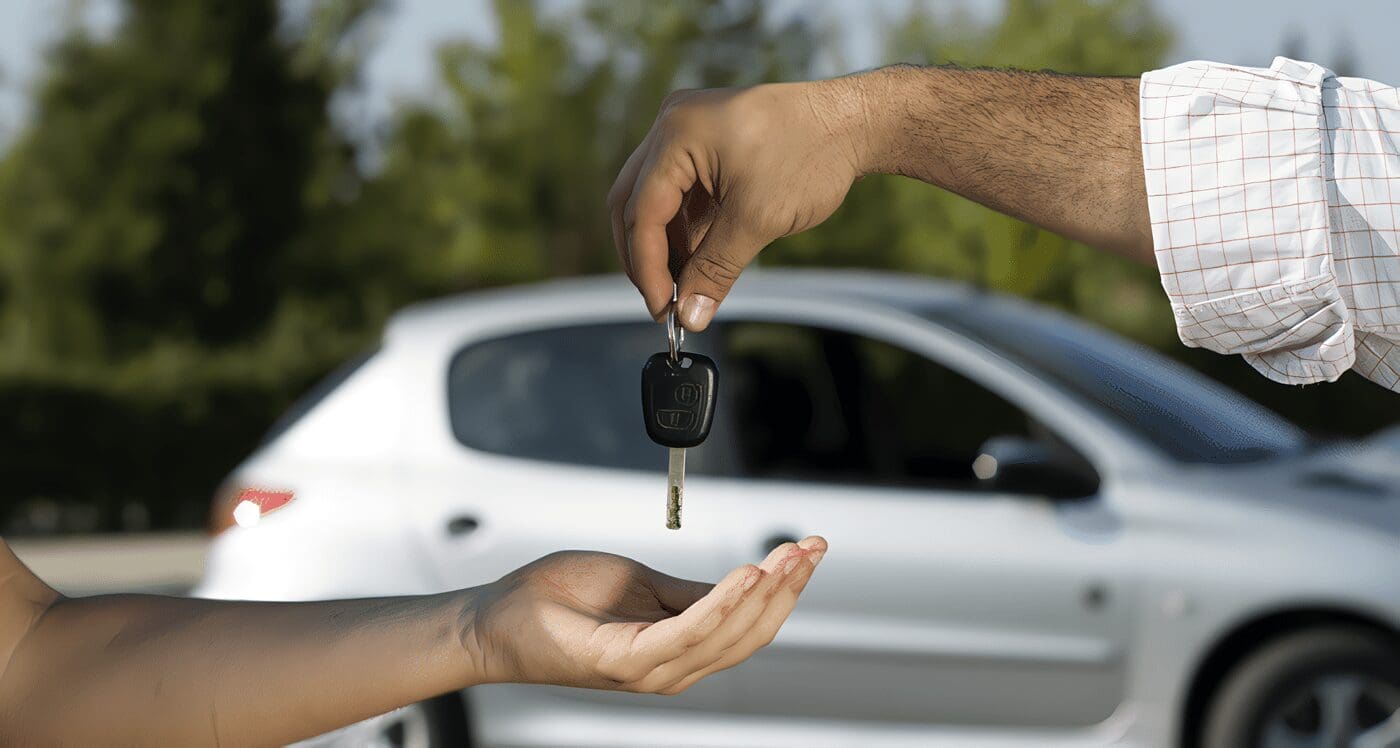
(1380, 453)
(1354, 482)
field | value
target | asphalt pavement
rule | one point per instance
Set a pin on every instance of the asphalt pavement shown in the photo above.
(167, 563)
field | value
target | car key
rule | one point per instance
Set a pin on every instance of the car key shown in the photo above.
(678, 405)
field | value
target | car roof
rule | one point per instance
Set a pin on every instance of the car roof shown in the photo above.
(908, 293)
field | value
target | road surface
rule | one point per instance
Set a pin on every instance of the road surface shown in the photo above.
(97, 564)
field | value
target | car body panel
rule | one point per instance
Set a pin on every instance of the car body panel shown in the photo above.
(939, 617)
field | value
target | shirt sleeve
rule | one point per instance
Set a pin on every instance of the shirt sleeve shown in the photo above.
(1238, 197)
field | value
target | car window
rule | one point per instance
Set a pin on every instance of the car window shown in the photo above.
(826, 405)
(569, 395)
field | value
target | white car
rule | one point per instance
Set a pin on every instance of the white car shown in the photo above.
(1040, 534)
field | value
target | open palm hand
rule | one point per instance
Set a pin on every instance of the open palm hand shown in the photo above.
(596, 620)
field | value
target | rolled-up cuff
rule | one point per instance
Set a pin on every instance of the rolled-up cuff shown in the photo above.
(1235, 174)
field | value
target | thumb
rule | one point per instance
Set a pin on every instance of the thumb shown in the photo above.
(709, 273)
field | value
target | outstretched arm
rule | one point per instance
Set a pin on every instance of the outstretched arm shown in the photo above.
(1062, 152)
(137, 669)
(725, 172)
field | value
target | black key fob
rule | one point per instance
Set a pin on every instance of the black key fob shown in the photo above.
(678, 398)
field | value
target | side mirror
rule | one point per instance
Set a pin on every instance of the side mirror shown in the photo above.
(1014, 464)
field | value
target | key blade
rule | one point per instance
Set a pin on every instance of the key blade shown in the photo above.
(675, 488)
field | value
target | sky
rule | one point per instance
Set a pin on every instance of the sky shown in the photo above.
(1246, 32)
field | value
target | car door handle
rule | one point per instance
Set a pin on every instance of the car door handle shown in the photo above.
(777, 539)
(462, 525)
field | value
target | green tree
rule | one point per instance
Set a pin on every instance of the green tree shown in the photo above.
(153, 246)
(161, 186)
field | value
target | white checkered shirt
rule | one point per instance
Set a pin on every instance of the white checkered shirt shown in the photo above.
(1273, 197)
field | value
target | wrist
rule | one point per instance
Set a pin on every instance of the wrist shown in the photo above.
(472, 650)
(902, 120)
(846, 110)
(868, 110)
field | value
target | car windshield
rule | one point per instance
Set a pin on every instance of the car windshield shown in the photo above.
(1187, 415)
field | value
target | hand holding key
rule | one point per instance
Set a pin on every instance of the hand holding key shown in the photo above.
(723, 173)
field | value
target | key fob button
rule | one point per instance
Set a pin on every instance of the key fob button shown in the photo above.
(687, 393)
(675, 420)
(678, 400)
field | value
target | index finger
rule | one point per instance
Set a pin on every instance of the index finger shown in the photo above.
(676, 594)
(620, 193)
(763, 630)
(655, 200)
(668, 638)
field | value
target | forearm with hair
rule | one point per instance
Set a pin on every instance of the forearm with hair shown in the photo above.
(147, 670)
(1061, 152)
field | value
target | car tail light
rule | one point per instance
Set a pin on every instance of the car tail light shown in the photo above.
(244, 506)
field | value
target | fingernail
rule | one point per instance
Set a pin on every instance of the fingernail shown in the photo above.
(697, 311)
(755, 574)
(817, 557)
(792, 562)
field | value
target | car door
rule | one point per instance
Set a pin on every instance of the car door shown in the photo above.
(940, 601)
(545, 450)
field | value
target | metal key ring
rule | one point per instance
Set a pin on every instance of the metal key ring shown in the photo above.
(675, 334)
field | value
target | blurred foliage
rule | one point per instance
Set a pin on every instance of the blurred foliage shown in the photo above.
(503, 178)
(155, 252)
(188, 237)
